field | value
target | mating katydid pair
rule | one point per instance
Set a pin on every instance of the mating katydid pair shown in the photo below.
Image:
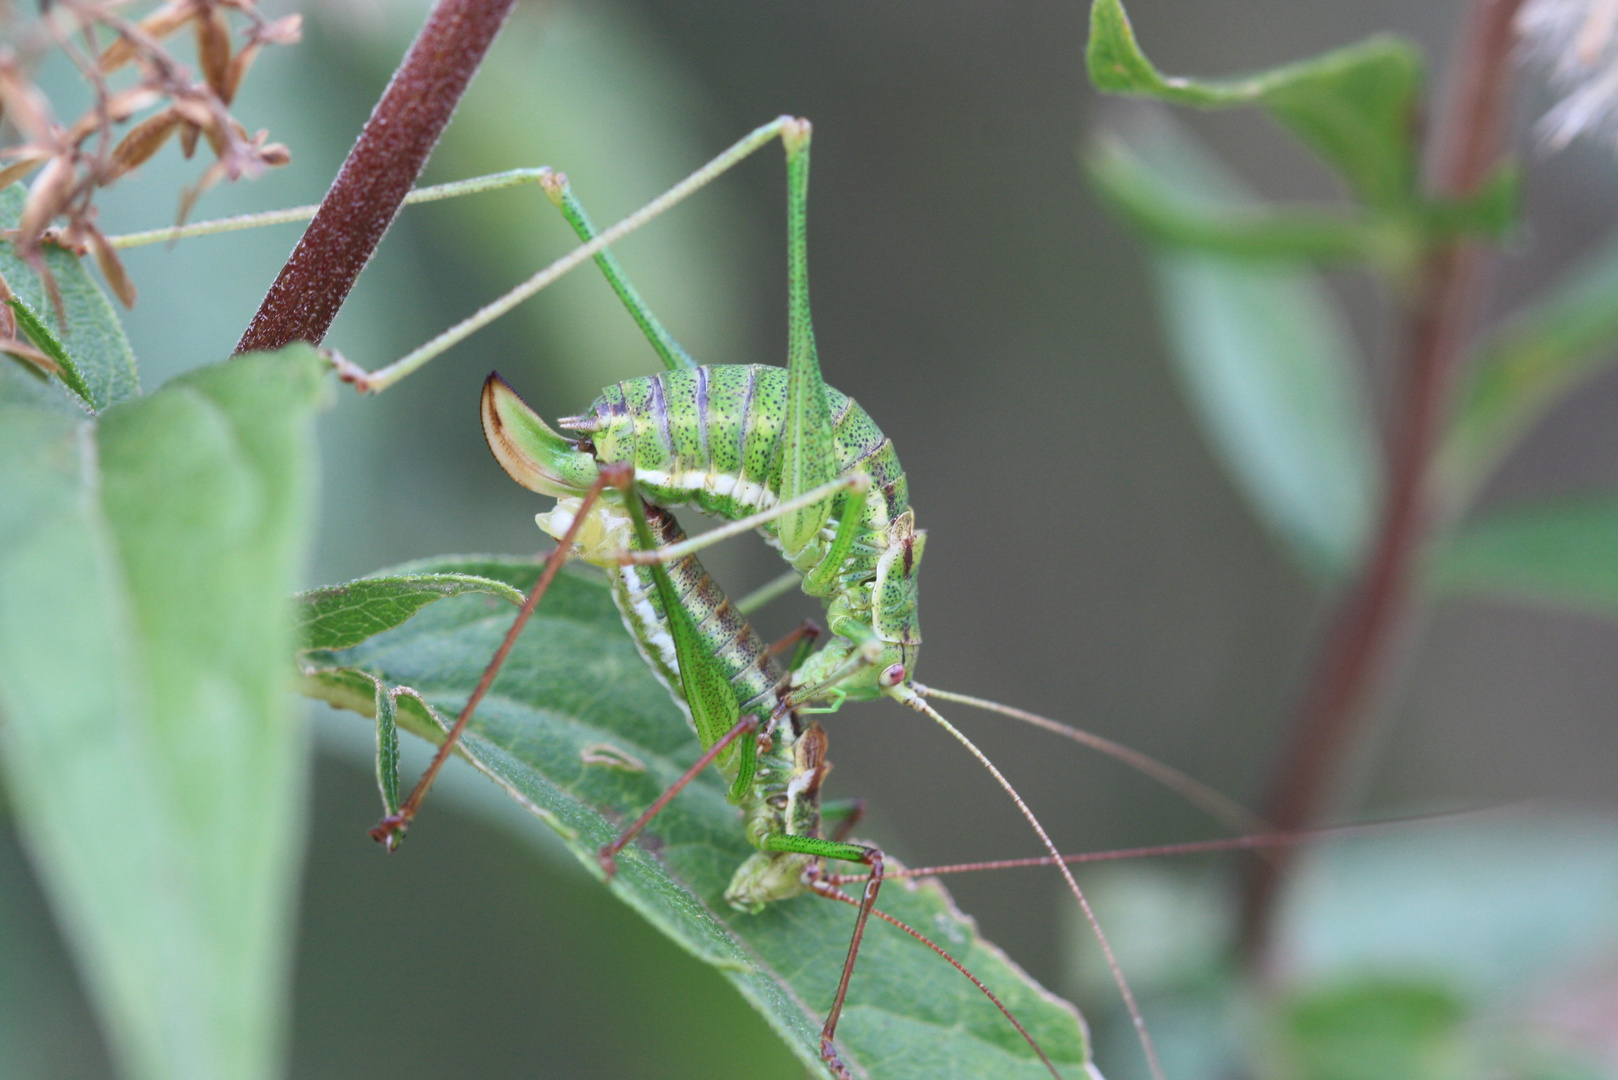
(762, 447)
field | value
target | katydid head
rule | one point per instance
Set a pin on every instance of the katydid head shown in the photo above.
(525, 446)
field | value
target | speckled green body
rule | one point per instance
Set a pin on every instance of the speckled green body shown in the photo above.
(714, 438)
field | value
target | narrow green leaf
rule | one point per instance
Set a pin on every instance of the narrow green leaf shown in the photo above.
(578, 730)
(387, 749)
(1355, 107)
(341, 616)
(1563, 553)
(1271, 373)
(1529, 364)
(97, 362)
(154, 764)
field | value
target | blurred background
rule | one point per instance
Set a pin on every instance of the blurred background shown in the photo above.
(1088, 556)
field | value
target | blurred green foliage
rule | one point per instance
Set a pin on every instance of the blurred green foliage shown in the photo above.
(1136, 594)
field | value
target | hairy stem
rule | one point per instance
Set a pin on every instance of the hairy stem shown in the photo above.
(379, 172)
(1467, 139)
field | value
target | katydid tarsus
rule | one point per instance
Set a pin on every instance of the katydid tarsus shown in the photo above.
(766, 448)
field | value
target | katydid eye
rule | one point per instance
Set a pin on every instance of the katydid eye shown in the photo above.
(892, 675)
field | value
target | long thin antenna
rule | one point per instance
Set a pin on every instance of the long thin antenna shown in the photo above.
(1193, 847)
(910, 698)
(1194, 791)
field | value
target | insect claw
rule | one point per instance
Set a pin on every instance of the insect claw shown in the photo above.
(828, 1053)
(609, 864)
(389, 832)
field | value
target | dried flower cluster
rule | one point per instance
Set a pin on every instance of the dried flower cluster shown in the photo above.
(71, 163)
(1577, 42)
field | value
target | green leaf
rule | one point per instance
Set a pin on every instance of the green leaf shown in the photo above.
(97, 362)
(1373, 1028)
(155, 766)
(1529, 364)
(1271, 373)
(341, 616)
(1563, 553)
(1356, 107)
(578, 730)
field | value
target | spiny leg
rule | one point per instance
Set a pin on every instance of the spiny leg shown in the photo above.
(704, 685)
(845, 852)
(382, 378)
(392, 827)
(671, 352)
(807, 442)
(608, 855)
(909, 698)
(826, 887)
(800, 641)
(855, 485)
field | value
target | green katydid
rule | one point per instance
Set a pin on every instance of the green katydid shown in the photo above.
(766, 448)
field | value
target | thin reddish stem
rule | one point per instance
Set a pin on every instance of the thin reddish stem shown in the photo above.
(1468, 139)
(371, 186)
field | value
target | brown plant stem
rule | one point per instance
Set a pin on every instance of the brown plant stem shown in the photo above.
(379, 171)
(1467, 139)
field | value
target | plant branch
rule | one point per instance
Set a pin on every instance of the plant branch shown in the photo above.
(1467, 140)
(379, 172)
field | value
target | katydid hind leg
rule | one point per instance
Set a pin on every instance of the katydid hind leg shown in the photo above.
(670, 351)
(706, 690)
(807, 441)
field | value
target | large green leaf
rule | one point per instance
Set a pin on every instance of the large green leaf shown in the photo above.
(97, 363)
(1356, 107)
(1542, 353)
(1562, 553)
(1270, 371)
(578, 730)
(154, 764)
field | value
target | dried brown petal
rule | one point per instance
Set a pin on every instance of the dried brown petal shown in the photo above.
(238, 69)
(27, 107)
(210, 176)
(144, 139)
(213, 52)
(112, 267)
(159, 24)
(218, 138)
(47, 197)
(126, 103)
(188, 139)
(193, 110)
(24, 351)
(19, 169)
(283, 31)
(120, 107)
